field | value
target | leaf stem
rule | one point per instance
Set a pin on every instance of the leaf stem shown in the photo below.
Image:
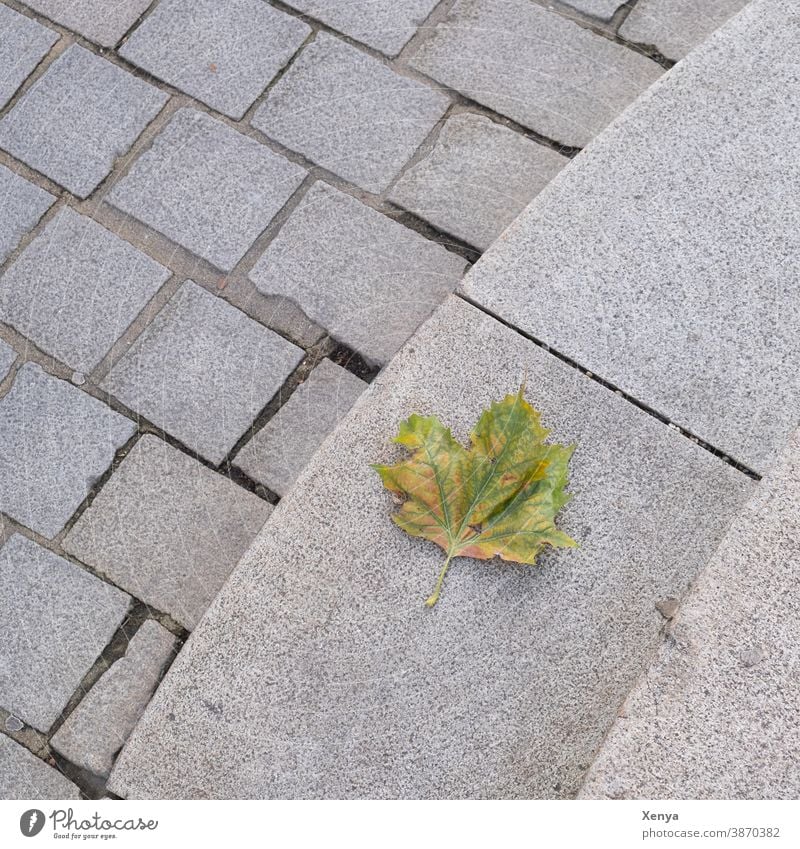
(434, 597)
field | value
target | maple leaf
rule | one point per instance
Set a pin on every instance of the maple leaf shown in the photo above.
(497, 499)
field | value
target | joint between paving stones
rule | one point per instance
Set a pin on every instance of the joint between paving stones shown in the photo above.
(706, 446)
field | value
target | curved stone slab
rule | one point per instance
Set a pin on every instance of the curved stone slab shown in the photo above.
(318, 672)
(663, 257)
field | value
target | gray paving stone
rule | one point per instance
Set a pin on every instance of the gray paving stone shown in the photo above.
(603, 9)
(207, 187)
(21, 206)
(535, 66)
(7, 357)
(345, 685)
(674, 27)
(202, 371)
(385, 25)
(24, 776)
(56, 620)
(477, 179)
(101, 21)
(23, 44)
(97, 729)
(349, 113)
(280, 451)
(652, 269)
(167, 529)
(57, 441)
(224, 54)
(78, 118)
(77, 288)
(716, 714)
(365, 278)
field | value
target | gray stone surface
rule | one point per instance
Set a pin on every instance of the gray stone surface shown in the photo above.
(23, 44)
(603, 9)
(167, 529)
(202, 371)
(385, 25)
(476, 180)
(366, 279)
(277, 454)
(24, 776)
(7, 357)
(349, 113)
(535, 66)
(102, 21)
(97, 729)
(345, 685)
(78, 118)
(76, 289)
(653, 269)
(57, 441)
(55, 620)
(224, 54)
(207, 187)
(21, 206)
(716, 714)
(674, 27)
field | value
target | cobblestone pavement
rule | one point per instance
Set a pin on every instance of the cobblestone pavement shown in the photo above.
(218, 222)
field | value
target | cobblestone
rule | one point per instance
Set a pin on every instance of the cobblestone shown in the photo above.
(674, 27)
(603, 9)
(349, 113)
(202, 371)
(7, 357)
(55, 620)
(76, 289)
(21, 206)
(385, 25)
(477, 179)
(24, 776)
(57, 441)
(23, 44)
(78, 118)
(167, 529)
(97, 729)
(224, 54)
(207, 187)
(279, 452)
(98, 20)
(367, 279)
(534, 66)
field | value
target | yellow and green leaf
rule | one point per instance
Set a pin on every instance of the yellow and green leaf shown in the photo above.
(497, 499)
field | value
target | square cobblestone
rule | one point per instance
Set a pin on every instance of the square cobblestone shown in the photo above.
(21, 206)
(207, 187)
(7, 357)
(55, 620)
(277, 454)
(167, 529)
(100, 21)
(76, 289)
(57, 441)
(477, 178)
(386, 25)
(674, 27)
(602, 9)
(203, 371)
(98, 728)
(78, 118)
(350, 113)
(537, 67)
(224, 54)
(23, 44)
(369, 281)
(24, 776)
